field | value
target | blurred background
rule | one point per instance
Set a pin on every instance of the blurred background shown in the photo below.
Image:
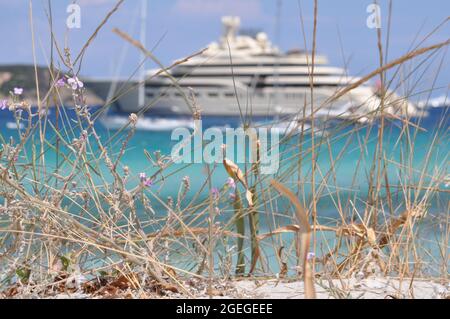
(177, 28)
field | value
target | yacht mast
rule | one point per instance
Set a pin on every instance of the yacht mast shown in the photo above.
(143, 36)
(123, 54)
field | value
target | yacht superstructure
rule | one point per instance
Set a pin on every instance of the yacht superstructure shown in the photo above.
(243, 74)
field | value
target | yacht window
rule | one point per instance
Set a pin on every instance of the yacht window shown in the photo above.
(213, 94)
(178, 94)
(150, 94)
(229, 94)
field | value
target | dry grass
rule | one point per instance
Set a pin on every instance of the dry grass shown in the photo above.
(87, 222)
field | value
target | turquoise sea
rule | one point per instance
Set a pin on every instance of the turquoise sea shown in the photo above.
(351, 146)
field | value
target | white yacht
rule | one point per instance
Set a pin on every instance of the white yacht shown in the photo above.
(247, 75)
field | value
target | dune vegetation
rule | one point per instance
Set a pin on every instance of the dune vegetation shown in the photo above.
(76, 219)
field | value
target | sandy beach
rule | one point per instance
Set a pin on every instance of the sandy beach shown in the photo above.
(369, 288)
(374, 288)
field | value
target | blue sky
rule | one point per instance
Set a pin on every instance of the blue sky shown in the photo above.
(181, 27)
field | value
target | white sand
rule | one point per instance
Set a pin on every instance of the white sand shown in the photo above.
(370, 288)
(373, 288)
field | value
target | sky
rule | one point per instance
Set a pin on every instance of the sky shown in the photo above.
(177, 28)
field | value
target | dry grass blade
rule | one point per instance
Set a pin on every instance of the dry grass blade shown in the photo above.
(193, 231)
(305, 236)
(299, 210)
(398, 222)
(235, 172)
(240, 228)
(163, 70)
(284, 267)
(293, 229)
(138, 45)
(281, 230)
(92, 37)
(386, 67)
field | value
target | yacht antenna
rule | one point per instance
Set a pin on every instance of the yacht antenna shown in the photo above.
(277, 58)
(143, 36)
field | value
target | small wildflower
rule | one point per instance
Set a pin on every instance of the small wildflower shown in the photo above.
(75, 83)
(215, 192)
(60, 83)
(133, 119)
(231, 183)
(84, 135)
(43, 112)
(232, 196)
(3, 104)
(148, 182)
(18, 91)
(310, 256)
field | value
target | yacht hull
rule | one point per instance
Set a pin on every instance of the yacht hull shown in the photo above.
(266, 103)
(360, 103)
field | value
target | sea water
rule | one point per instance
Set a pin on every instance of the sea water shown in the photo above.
(346, 149)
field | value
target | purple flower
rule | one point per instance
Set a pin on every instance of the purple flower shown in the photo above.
(75, 83)
(215, 192)
(60, 83)
(231, 183)
(3, 104)
(148, 182)
(18, 91)
(310, 255)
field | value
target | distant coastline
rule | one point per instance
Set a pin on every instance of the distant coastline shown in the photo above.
(23, 76)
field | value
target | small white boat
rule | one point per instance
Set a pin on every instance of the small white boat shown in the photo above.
(115, 122)
(14, 126)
